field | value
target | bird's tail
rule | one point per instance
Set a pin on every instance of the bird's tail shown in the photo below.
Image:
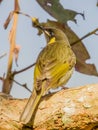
(31, 106)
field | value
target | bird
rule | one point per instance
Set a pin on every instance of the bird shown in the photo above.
(54, 67)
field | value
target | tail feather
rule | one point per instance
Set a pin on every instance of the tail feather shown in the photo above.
(30, 107)
(32, 104)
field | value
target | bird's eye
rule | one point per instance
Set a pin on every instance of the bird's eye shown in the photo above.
(51, 33)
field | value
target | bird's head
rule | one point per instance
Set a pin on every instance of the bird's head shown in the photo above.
(54, 34)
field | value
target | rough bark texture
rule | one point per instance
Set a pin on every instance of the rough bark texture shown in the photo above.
(71, 109)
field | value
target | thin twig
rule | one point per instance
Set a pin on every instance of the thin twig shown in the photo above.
(19, 12)
(23, 85)
(22, 70)
(34, 20)
(90, 33)
(3, 55)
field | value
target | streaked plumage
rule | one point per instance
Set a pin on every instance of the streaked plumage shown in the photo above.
(54, 67)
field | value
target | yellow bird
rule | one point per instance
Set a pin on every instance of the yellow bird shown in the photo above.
(54, 67)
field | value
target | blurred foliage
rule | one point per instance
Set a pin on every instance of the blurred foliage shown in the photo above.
(56, 10)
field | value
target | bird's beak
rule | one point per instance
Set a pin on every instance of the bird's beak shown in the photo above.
(46, 32)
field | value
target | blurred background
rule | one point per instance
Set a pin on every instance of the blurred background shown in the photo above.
(31, 44)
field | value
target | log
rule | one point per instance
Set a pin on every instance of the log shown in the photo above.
(70, 109)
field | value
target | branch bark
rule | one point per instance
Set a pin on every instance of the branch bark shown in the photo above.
(71, 109)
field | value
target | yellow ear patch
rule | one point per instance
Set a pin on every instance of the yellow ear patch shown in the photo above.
(52, 40)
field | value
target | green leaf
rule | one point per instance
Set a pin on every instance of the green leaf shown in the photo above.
(56, 10)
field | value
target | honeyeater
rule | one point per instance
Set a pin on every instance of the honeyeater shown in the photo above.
(54, 66)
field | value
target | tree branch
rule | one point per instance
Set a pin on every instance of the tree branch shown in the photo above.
(75, 108)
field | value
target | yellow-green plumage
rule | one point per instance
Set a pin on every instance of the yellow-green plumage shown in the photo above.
(54, 67)
(54, 61)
